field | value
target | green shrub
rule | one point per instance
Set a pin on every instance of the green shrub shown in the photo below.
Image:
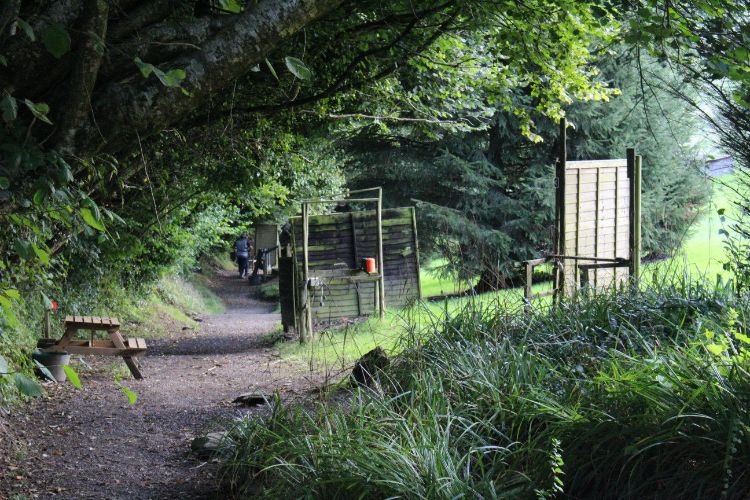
(626, 395)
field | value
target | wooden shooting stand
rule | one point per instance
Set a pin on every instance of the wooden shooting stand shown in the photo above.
(117, 345)
(597, 224)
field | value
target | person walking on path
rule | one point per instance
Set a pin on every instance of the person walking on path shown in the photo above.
(242, 249)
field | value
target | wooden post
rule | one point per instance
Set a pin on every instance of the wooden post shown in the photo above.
(47, 325)
(306, 332)
(381, 262)
(631, 229)
(596, 221)
(616, 272)
(636, 251)
(559, 246)
(527, 286)
(416, 249)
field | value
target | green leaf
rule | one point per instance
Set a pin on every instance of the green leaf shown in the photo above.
(41, 254)
(65, 174)
(298, 68)
(10, 316)
(743, 338)
(39, 110)
(3, 365)
(73, 377)
(172, 78)
(145, 68)
(45, 371)
(4, 183)
(39, 196)
(132, 396)
(26, 27)
(721, 211)
(27, 386)
(232, 6)
(23, 249)
(9, 107)
(270, 68)
(12, 294)
(46, 301)
(91, 220)
(716, 349)
(56, 40)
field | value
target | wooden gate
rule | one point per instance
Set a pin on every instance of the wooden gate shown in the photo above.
(597, 223)
(597, 216)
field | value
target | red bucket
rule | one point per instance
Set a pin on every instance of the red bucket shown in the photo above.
(368, 265)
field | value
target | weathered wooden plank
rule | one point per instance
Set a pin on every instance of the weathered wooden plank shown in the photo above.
(571, 197)
(344, 247)
(589, 176)
(585, 164)
(332, 222)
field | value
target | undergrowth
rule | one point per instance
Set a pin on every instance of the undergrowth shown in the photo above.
(638, 394)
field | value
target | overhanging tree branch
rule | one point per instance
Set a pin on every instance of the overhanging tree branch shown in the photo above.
(148, 106)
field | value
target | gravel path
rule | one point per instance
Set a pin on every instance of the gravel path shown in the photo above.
(92, 444)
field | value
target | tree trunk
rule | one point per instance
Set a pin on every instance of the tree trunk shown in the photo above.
(124, 111)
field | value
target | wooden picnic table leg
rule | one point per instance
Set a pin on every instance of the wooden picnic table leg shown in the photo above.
(66, 338)
(129, 360)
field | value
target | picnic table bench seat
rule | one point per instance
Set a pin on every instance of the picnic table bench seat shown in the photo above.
(116, 345)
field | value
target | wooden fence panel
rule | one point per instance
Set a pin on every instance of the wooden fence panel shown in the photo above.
(597, 219)
(339, 241)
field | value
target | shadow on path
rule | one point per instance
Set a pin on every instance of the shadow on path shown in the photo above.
(92, 444)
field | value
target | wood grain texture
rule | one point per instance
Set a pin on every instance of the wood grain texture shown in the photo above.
(596, 204)
(337, 242)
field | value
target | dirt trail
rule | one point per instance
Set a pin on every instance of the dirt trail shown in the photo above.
(92, 444)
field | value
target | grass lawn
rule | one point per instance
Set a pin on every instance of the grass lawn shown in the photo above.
(703, 252)
(434, 281)
(336, 349)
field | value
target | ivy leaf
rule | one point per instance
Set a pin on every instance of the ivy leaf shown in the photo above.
(9, 315)
(39, 110)
(27, 386)
(56, 40)
(270, 68)
(41, 254)
(298, 68)
(39, 196)
(73, 377)
(4, 183)
(9, 107)
(46, 301)
(91, 220)
(26, 27)
(3, 365)
(65, 174)
(23, 249)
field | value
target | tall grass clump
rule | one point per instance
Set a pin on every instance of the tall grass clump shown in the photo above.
(636, 394)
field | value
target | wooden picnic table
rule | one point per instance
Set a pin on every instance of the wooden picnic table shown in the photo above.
(116, 345)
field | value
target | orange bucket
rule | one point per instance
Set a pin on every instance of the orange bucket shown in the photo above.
(368, 265)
